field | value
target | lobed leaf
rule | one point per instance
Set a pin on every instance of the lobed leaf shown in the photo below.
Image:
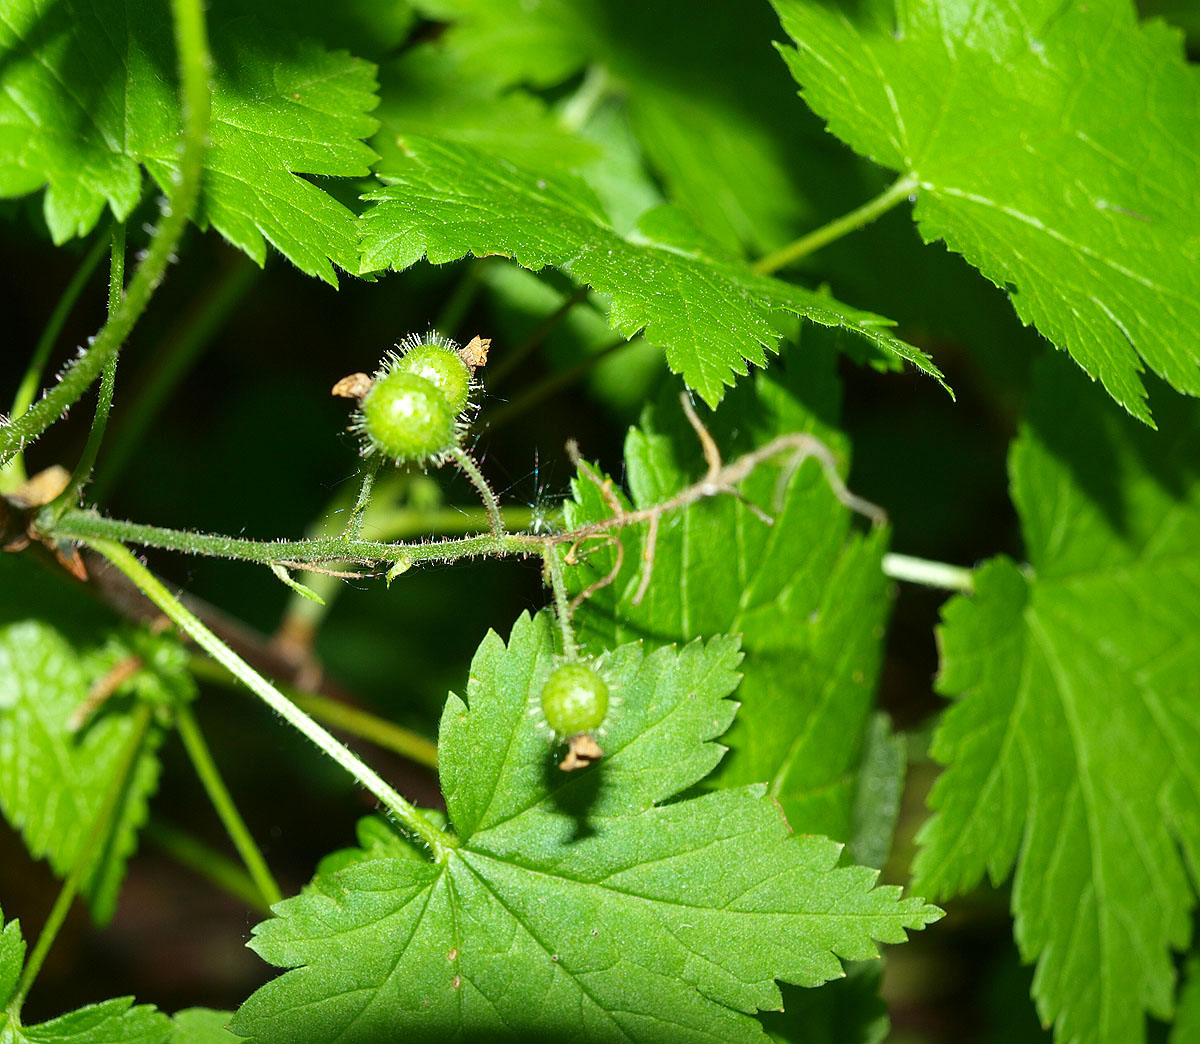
(1073, 745)
(806, 593)
(710, 112)
(87, 97)
(586, 904)
(53, 779)
(1054, 147)
(709, 310)
(116, 1021)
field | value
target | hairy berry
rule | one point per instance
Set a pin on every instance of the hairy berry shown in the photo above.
(406, 418)
(575, 700)
(442, 367)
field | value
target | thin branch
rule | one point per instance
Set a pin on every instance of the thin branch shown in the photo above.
(896, 193)
(108, 380)
(194, 68)
(13, 473)
(468, 467)
(439, 841)
(562, 606)
(929, 574)
(215, 867)
(222, 802)
(369, 471)
(100, 829)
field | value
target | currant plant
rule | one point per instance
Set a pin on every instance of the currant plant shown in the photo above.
(695, 703)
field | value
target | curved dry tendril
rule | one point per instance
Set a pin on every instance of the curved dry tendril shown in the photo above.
(719, 479)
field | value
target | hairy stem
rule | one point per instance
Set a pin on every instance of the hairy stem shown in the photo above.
(98, 833)
(13, 474)
(929, 574)
(108, 380)
(210, 776)
(439, 842)
(468, 467)
(842, 226)
(369, 471)
(361, 723)
(194, 67)
(87, 525)
(562, 602)
(354, 720)
(213, 866)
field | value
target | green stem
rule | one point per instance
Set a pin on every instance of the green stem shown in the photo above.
(404, 742)
(87, 525)
(13, 473)
(206, 861)
(491, 505)
(116, 267)
(899, 191)
(172, 362)
(83, 470)
(339, 715)
(583, 104)
(370, 470)
(562, 602)
(929, 574)
(222, 802)
(100, 829)
(194, 65)
(440, 843)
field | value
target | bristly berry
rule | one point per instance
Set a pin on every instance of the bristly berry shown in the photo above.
(443, 367)
(406, 418)
(575, 700)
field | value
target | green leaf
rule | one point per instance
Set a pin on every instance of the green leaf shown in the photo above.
(807, 595)
(1187, 1015)
(201, 1026)
(116, 1021)
(12, 958)
(1073, 747)
(87, 94)
(1054, 147)
(714, 118)
(707, 309)
(52, 779)
(586, 904)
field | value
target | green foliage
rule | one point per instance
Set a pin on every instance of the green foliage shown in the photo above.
(710, 110)
(600, 166)
(1015, 119)
(1073, 747)
(588, 904)
(53, 777)
(705, 307)
(806, 594)
(88, 97)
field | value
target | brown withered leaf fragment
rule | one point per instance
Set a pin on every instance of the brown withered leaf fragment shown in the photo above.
(582, 750)
(475, 352)
(355, 386)
(40, 489)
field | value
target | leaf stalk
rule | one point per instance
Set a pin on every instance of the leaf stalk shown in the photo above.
(807, 244)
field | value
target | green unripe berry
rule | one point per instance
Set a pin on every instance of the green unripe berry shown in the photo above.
(406, 418)
(574, 700)
(443, 368)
